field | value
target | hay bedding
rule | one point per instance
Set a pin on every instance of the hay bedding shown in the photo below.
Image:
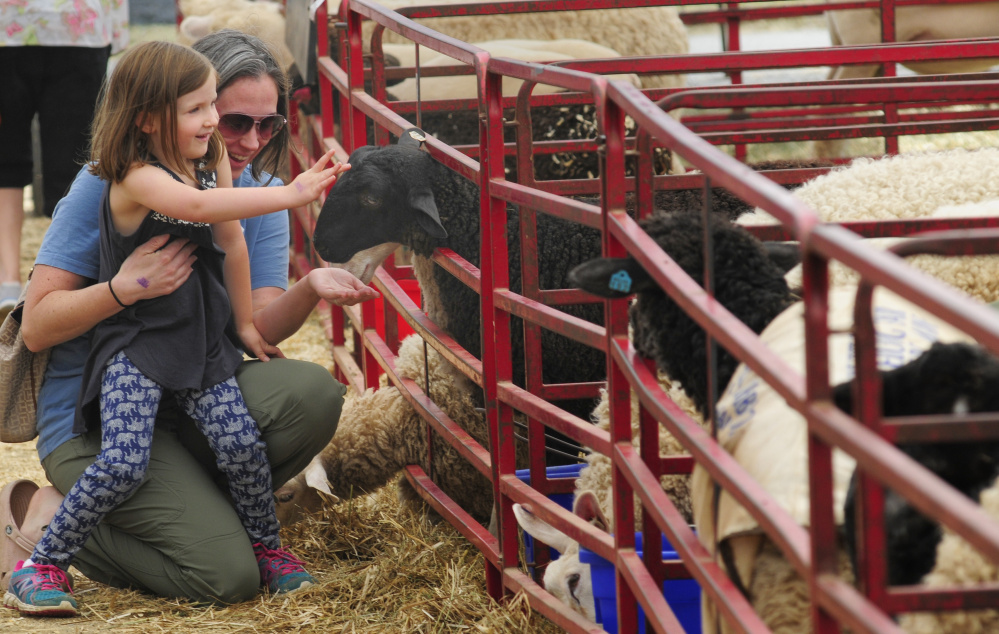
(379, 569)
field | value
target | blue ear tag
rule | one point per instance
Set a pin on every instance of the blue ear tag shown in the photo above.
(620, 281)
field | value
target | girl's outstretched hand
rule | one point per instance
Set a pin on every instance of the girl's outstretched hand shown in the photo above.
(317, 179)
(256, 344)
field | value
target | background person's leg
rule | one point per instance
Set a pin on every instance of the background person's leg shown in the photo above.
(20, 80)
(73, 75)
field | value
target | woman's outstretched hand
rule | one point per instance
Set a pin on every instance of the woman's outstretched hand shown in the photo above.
(308, 185)
(340, 287)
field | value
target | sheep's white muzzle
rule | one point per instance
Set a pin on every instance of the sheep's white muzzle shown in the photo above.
(364, 263)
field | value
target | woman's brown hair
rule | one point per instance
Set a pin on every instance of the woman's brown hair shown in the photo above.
(147, 82)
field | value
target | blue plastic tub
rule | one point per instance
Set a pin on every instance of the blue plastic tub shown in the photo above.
(562, 499)
(683, 595)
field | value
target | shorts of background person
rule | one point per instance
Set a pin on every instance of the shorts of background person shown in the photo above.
(61, 84)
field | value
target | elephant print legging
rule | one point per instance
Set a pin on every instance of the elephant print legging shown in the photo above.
(128, 402)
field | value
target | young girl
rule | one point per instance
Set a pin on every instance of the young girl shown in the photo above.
(156, 143)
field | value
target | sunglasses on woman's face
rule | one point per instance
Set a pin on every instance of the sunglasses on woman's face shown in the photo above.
(235, 124)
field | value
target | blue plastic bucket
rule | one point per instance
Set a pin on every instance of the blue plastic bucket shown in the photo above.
(683, 595)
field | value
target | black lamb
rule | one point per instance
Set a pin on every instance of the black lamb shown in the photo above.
(747, 282)
(399, 194)
(947, 378)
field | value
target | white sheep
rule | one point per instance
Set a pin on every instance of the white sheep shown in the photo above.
(976, 275)
(465, 86)
(379, 433)
(912, 24)
(912, 185)
(640, 31)
(596, 475)
(952, 184)
(567, 578)
(262, 18)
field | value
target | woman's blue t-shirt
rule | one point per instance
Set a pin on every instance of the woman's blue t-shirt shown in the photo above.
(71, 244)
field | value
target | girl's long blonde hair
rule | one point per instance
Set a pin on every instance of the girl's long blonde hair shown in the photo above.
(146, 83)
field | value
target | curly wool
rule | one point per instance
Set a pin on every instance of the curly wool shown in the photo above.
(895, 187)
(752, 287)
(976, 275)
(548, 123)
(380, 433)
(596, 475)
(779, 593)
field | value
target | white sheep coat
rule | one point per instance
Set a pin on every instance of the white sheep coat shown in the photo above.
(770, 439)
(912, 24)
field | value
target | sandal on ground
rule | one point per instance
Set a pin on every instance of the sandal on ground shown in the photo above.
(14, 546)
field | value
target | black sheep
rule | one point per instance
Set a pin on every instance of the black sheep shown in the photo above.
(747, 282)
(548, 123)
(399, 194)
(946, 379)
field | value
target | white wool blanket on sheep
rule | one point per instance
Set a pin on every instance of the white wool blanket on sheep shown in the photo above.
(897, 187)
(769, 439)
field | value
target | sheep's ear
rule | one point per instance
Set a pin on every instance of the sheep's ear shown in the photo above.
(611, 277)
(196, 27)
(315, 477)
(786, 255)
(412, 137)
(422, 200)
(541, 529)
(587, 507)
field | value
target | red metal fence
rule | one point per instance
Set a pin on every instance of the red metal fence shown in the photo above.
(778, 113)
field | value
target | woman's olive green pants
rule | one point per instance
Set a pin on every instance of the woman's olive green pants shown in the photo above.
(179, 536)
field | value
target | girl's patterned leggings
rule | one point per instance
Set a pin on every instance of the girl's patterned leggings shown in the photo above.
(128, 402)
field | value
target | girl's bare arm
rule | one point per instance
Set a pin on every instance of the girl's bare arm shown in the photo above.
(229, 236)
(149, 187)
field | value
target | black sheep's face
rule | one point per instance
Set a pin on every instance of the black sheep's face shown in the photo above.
(955, 378)
(377, 205)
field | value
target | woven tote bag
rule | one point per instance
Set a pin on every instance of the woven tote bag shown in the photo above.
(21, 373)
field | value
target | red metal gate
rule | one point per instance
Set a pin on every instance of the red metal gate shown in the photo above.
(778, 113)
